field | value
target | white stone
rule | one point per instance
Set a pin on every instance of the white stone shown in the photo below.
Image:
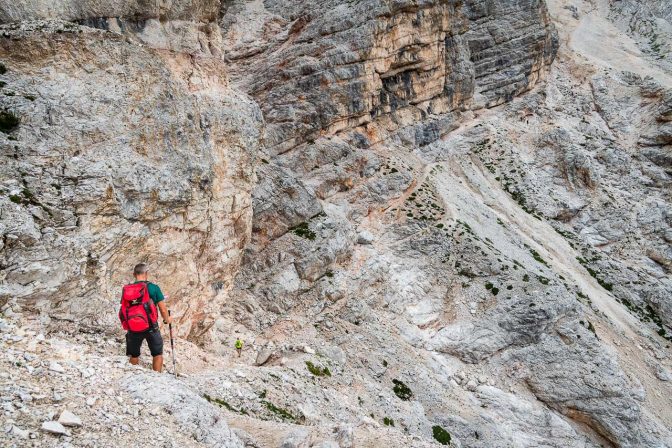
(18, 432)
(67, 418)
(54, 428)
(56, 367)
(365, 237)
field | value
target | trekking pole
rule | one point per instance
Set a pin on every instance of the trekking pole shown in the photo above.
(172, 346)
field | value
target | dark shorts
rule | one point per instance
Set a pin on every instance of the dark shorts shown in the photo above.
(134, 342)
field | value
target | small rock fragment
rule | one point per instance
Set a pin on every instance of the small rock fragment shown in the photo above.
(54, 428)
(365, 237)
(67, 418)
(56, 367)
(20, 433)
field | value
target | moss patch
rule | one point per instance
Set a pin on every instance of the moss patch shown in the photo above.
(441, 435)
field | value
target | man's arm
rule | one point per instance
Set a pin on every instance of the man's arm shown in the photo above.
(158, 298)
(164, 312)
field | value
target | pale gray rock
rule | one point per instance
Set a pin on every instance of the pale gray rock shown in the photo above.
(67, 418)
(264, 355)
(365, 237)
(20, 433)
(54, 428)
(56, 367)
(295, 439)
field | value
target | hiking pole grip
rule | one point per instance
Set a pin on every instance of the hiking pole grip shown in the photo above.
(172, 345)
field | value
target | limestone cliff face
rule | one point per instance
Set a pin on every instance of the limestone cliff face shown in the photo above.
(72, 10)
(376, 67)
(122, 154)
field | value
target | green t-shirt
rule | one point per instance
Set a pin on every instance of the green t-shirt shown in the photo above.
(154, 292)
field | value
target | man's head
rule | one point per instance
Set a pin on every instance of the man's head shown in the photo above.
(140, 271)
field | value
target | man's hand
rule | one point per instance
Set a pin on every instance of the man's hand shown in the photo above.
(168, 320)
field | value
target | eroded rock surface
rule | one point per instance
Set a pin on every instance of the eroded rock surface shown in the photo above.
(427, 228)
(123, 154)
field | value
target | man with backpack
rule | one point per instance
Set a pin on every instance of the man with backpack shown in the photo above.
(139, 317)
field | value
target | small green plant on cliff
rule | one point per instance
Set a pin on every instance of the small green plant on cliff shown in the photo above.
(492, 288)
(222, 403)
(537, 257)
(317, 371)
(543, 280)
(303, 231)
(401, 390)
(8, 121)
(284, 414)
(441, 435)
(388, 421)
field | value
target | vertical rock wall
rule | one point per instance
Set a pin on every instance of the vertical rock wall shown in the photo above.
(123, 154)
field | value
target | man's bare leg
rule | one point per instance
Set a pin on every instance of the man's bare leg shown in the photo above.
(157, 363)
(134, 361)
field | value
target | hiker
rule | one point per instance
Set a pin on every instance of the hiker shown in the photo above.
(239, 345)
(139, 317)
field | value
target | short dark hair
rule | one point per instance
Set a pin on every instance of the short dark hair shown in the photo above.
(140, 268)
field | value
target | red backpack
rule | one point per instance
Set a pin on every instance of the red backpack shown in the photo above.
(138, 312)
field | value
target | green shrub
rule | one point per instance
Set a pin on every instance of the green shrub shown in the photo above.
(317, 371)
(222, 403)
(280, 412)
(537, 257)
(8, 121)
(401, 390)
(388, 421)
(303, 231)
(441, 435)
